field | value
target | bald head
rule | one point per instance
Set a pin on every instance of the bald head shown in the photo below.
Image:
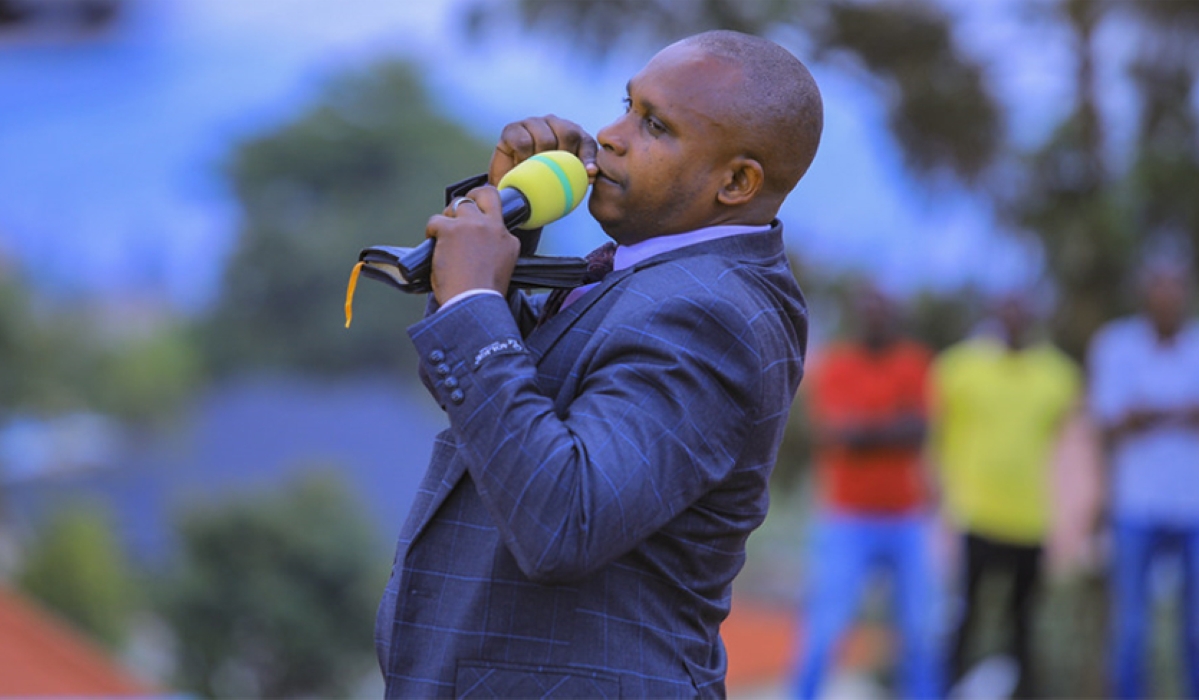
(1165, 285)
(716, 130)
(776, 105)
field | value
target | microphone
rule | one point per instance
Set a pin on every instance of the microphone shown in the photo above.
(538, 191)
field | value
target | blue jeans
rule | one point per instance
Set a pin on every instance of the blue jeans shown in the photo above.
(1134, 548)
(846, 550)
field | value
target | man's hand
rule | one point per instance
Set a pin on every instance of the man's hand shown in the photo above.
(1142, 419)
(474, 250)
(903, 431)
(1190, 417)
(520, 140)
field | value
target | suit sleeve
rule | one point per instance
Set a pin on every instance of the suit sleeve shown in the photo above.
(659, 420)
(525, 311)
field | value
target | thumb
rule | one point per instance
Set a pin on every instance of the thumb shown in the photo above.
(501, 163)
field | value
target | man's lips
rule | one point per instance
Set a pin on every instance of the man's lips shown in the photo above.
(602, 174)
(603, 177)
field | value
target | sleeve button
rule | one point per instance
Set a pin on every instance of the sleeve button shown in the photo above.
(457, 396)
(443, 369)
(451, 382)
(437, 356)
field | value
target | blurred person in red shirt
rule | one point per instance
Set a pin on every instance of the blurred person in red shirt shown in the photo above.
(868, 409)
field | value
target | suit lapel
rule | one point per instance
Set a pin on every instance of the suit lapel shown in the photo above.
(542, 340)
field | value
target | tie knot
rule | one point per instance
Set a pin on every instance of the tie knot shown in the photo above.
(599, 262)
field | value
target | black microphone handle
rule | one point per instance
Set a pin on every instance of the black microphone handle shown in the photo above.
(418, 264)
(515, 208)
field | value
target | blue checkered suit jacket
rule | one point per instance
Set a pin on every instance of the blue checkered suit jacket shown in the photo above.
(581, 520)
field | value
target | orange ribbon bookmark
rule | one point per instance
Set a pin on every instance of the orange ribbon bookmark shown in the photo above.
(350, 292)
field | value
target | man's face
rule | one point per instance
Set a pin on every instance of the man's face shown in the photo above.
(661, 163)
(1016, 317)
(1165, 298)
(877, 316)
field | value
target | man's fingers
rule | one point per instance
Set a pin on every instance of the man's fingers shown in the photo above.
(486, 199)
(501, 162)
(481, 201)
(573, 138)
(521, 140)
(566, 134)
(435, 224)
(544, 136)
(516, 144)
(587, 150)
(516, 141)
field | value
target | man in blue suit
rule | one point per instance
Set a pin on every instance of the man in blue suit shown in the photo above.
(584, 515)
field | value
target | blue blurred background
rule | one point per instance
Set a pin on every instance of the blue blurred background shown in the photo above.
(185, 184)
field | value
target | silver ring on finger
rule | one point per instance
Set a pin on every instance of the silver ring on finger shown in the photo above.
(459, 200)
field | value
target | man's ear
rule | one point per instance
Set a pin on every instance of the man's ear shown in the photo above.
(744, 181)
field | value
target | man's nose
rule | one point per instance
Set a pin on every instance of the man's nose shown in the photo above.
(611, 137)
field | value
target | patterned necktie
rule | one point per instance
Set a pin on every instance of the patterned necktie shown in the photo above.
(599, 264)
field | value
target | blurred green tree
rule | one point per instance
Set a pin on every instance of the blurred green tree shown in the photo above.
(60, 359)
(75, 567)
(367, 164)
(274, 596)
(44, 355)
(1095, 211)
(142, 378)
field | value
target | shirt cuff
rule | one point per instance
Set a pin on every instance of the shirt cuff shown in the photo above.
(468, 293)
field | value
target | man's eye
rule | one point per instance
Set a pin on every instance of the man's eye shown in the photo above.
(652, 124)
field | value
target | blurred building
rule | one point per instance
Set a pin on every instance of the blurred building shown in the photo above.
(35, 447)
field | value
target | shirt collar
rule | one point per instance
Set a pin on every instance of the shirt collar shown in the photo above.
(630, 255)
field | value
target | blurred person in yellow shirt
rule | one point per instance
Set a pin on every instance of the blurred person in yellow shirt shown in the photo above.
(1000, 404)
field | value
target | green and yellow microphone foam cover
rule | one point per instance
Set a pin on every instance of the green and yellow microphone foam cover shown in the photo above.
(553, 182)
